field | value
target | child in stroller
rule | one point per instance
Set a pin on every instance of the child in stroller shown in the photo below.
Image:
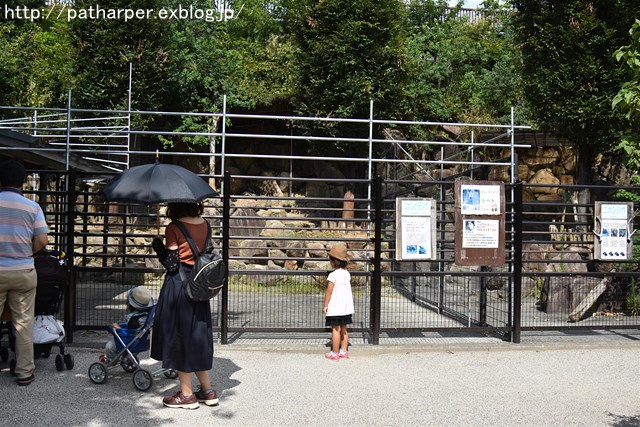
(130, 337)
(139, 302)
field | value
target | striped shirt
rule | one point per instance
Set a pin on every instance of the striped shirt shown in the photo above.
(20, 220)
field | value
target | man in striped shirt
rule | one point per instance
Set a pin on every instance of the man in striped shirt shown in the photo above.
(23, 232)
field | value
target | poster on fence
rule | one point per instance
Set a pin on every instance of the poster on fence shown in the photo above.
(480, 233)
(415, 228)
(613, 222)
(480, 199)
(479, 223)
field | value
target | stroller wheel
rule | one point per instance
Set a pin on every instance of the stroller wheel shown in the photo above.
(98, 373)
(171, 374)
(142, 379)
(47, 353)
(59, 363)
(68, 361)
(12, 367)
(129, 365)
(4, 354)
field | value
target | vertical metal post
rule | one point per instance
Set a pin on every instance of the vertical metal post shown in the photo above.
(376, 283)
(129, 113)
(517, 262)
(223, 142)
(70, 292)
(483, 297)
(443, 235)
(35, 123)
(370, 159)
(514, 161)
(226, 213)
(67, 147)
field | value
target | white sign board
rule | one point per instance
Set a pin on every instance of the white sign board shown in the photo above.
(415, 229)
(614, 231)
(480, 200)
(480, 233)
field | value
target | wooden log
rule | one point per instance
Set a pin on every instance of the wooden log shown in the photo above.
(588, 301)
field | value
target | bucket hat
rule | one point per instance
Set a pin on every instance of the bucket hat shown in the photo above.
(140, 298)
(338, 252)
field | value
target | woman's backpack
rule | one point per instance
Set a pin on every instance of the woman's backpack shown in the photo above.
(207, 277)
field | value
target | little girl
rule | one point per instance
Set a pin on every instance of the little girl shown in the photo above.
(338, 303)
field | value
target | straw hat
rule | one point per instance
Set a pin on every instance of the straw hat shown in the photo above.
(339, 252)
(140, 298)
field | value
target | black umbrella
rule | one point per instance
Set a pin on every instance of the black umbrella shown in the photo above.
(157, 183)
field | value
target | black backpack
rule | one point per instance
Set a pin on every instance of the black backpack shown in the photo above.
(207, 277)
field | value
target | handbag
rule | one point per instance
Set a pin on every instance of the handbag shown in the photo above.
(207, 277)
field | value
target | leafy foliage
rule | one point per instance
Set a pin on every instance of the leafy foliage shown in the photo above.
(104, 48)
(248, 59)
(569, 70)
(350, 52)
(627, 101)
(628, 98)
(460, 71)
(35, 60)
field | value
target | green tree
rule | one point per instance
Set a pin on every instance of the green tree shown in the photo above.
(349, 52)
(247, 58)
(570, 75)
(104, 48)
(628, 97)
(460, 71)
(35, 59)
(627, 101)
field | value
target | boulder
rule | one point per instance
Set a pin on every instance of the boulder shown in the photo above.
(544, 177)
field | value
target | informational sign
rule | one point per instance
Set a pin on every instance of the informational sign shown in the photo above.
(480, 233)
(415, 228)
(479, 223)
(480, 199)
(612, 227)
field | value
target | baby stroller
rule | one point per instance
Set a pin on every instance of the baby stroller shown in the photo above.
(130, 342)
(51, 268)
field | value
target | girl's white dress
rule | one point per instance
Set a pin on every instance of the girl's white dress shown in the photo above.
(341, 302)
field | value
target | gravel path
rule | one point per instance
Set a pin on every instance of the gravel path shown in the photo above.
(586, 383)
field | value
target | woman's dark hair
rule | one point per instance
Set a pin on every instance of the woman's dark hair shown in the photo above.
(177, 210)
(336, 263)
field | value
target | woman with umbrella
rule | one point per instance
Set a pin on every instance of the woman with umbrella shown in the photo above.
(182, 331)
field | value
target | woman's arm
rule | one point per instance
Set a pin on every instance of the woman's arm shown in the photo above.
(327, 297)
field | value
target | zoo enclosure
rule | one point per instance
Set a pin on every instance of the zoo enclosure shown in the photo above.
(274, 232)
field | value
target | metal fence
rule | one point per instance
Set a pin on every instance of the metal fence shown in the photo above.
(273, 232)
(275, 247)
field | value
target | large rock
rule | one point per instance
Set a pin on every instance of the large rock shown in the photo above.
(541, 158)
(544, 177)
(253, 249)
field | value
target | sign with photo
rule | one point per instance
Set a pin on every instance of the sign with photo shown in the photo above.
(479, 223)
(415, 228)
(612, 227)
(480, 199)
(480, 233)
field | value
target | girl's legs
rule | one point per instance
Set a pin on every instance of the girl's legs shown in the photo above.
(335, 338)
(344, 338)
